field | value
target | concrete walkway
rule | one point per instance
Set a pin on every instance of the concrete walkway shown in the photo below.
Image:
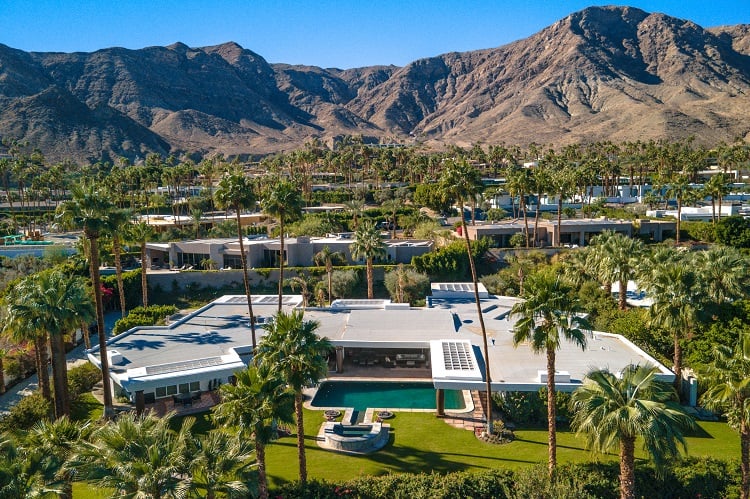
(31, 384)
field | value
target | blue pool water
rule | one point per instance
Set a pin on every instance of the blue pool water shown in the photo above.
(384, 394)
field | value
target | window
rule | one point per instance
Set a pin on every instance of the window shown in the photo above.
(172, 390)
(161, 391)
(184, 387)
(195, 386)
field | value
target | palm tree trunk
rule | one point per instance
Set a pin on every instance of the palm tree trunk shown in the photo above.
(677, 364)
(40, 354)
(559, 219)
(627, 468)
(281, 261)
(718, 217)
(522, 207)
(60, 375)
(85, 334)
(2, 374)
(536, 218)
(330, 283)
(713, 210)
(300, 437)
(94, 269)
(245, 279)
(623, 304)
(745, 459)
(144, 277)
(370, 277)
(551, 414)
(474, 280)
(117, 250)
(679, 210)
(260, 457)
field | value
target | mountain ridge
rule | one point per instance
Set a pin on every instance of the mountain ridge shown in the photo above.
(603, 73)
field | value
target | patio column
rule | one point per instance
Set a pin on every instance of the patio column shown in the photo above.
(140, 402)
(339, 359)
(440, 402)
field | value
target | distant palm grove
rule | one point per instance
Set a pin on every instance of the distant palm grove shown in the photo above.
(61, 441)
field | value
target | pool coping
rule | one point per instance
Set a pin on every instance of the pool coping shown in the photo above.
(309, 394)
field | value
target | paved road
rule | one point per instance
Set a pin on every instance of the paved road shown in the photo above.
(29, 385)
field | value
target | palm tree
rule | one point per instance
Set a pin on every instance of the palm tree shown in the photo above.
(119, 220)
(727, 383)
(217, 465)
(52, 303)
(716, 188)
(722, 273)
(460, 181)
(282, 201)
(57, 442)
(368, 245)
(253, 406)
(611, 411)
(617, 257)
(141, 233)
(137, 456)
(236, 191)
(355, 207)
(547, 316)
(294, 350)
(681, 191)
(24, 472)
(673, 285)
(328, 258)
(89, 210)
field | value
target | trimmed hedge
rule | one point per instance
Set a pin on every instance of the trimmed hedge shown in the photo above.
(692, 477)
(140, 316)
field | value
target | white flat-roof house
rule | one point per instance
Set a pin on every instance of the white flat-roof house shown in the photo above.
(442, 342)
(574, 231)
(264, 252)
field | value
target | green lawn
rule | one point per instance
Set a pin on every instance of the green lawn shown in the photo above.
(421, 442)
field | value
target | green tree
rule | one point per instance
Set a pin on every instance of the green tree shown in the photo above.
(236, 191)
(141, 233)
(217, 465)
(328, 258)
(119, 221)
(616, 258)
(547, 316)
(89, 210)
(611, 411)
(406, 285)
(254, 406)
(726, 380)
(459, 182)
(368, 245)
(24, 472)
(54, 303)
(137, 456)
(293, 349)
(282, 200)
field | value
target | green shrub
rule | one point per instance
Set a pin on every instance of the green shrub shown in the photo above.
(82, 378)
(26, 413)
(140, 316)
(522, 407)
(131, 281)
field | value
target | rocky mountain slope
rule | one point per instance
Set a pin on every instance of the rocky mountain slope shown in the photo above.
(605, 73)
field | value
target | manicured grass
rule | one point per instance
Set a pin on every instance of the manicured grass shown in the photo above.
(86, 408)
(423, 443)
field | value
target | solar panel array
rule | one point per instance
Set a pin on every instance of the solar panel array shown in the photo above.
(184, 366)
(457, 356)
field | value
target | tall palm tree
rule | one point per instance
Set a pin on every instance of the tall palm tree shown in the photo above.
(253, 406)
(24, 472)
(722, 273)
(141, 233)
(137, 456)
(236, 191)
(119, 220)
(328, 258)
(218, 463)
(674, 287)
(368, 245)
(54, 303)
(89, 210)
(680, 190)
(611, 411)
(716, 188)
(727, 383)
(282, 200)
(461, 181)
(294, 350)
(355, 207)
(547, 316)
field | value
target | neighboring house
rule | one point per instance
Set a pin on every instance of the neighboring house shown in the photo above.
(263, 252)
(575, 231)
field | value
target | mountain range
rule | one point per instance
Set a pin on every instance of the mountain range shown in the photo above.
(604, 73)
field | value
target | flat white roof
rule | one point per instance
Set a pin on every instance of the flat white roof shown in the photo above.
(216, 339)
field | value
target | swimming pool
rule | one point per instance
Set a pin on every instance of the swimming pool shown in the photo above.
(383, 394)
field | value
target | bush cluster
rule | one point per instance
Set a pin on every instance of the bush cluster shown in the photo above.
(688, 478)
(140, 316)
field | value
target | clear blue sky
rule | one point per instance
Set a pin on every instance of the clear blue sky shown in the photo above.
(324, 33)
